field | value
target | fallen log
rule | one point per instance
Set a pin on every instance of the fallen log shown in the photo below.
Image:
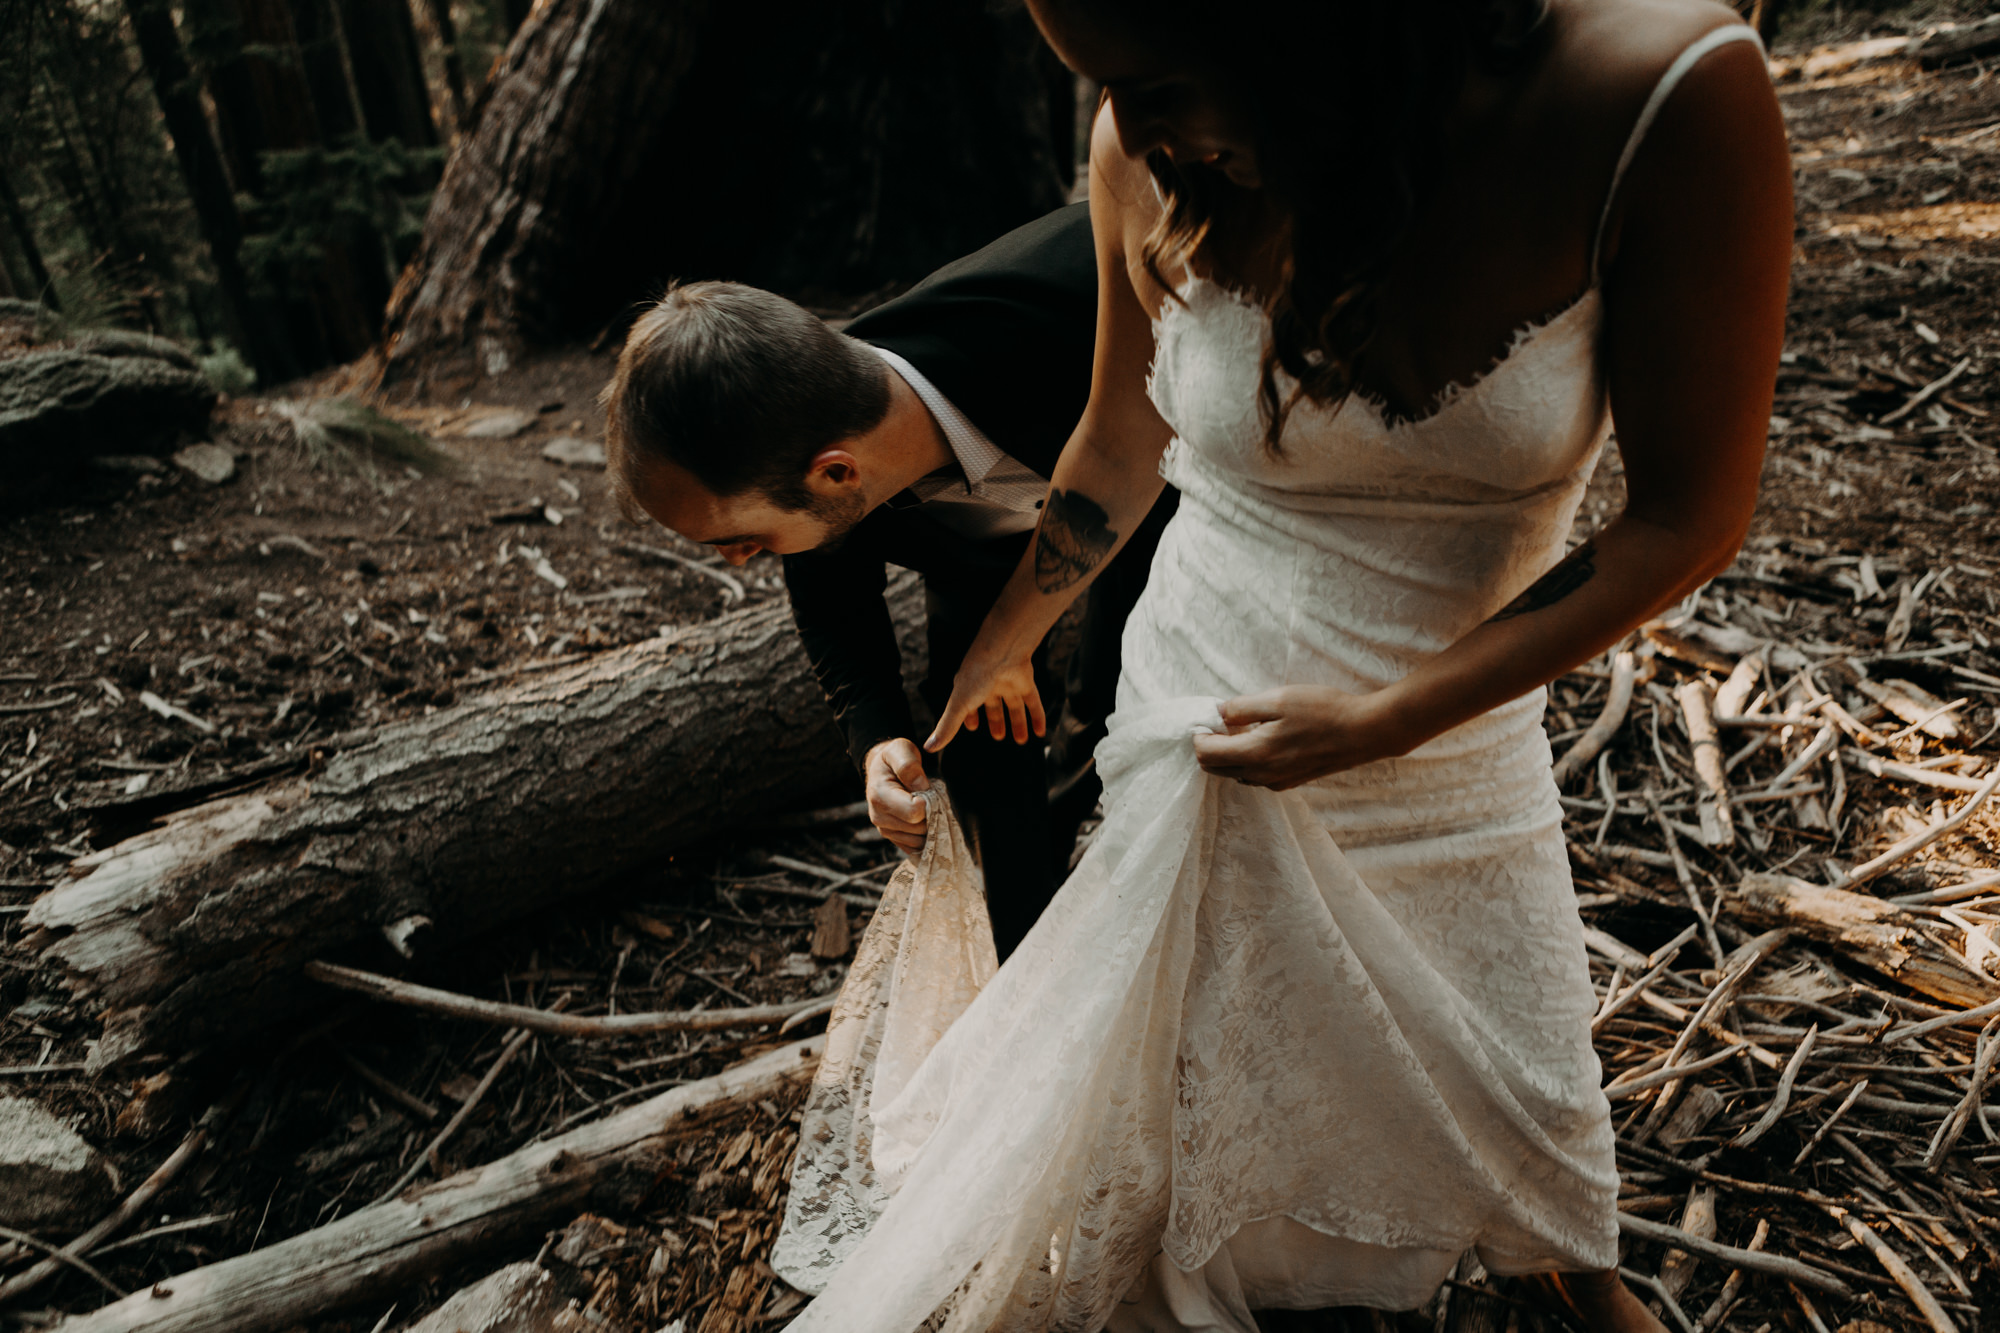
(195, 933)
(1878, 934)
(380, 1250)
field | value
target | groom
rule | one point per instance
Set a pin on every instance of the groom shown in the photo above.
(923, 437)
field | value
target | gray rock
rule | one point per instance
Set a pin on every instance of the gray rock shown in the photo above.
(128, 342)
(572, 452)
(211, 462)
(504, 424)
(59, 409)
(520, 1298)
(49, 1177)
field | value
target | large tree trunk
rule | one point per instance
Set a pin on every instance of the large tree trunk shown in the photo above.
(195, 933)
(803, 146)
(564, 126)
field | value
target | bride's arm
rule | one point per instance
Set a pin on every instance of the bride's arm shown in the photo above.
(1105, 482)
(1695, 312)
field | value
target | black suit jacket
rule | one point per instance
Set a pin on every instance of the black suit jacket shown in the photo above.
(1007, 335)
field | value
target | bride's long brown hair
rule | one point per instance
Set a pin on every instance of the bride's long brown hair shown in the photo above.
(1347, 102)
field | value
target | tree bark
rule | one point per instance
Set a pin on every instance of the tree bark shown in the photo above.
(389, 71)
(195, 933)
(383, 1249)
(201, 165)
(560, 132)
(437, 13)
(800, 146)
(30, 250)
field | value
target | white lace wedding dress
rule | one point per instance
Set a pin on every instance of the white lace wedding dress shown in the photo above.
(1268, 1050)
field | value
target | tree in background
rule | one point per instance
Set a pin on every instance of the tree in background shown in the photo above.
(796, 144)
(257, 171)
(248, 170)
(93, 218)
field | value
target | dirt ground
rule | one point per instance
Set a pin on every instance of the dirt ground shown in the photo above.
(318, 593)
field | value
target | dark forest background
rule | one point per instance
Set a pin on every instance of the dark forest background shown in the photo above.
(252, 178)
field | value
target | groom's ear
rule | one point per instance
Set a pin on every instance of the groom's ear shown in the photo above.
(833, 468)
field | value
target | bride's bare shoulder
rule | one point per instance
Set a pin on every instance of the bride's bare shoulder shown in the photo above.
(1609, 55)
(1125, 204)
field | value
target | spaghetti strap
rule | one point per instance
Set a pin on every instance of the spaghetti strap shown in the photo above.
(1723, 36)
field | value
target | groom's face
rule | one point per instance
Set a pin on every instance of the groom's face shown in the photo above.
(741, 526)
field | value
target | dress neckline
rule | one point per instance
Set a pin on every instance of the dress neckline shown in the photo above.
(1441, 404)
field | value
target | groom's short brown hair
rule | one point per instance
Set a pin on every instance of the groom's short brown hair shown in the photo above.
(739, 386)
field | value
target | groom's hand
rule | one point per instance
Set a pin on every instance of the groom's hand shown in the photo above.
(1008, 695)
(893, 773)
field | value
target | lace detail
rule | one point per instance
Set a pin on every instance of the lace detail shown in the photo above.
(926, 953)
(1379, 408)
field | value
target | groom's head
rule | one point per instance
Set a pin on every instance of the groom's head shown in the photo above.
(739, 419)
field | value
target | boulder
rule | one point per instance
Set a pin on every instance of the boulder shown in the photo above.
(59, 409)
(50, 1179)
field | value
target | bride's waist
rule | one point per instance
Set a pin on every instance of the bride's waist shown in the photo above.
(1459, 502)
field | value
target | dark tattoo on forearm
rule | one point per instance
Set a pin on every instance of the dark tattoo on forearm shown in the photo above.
(1571, 572)
(1074, 538)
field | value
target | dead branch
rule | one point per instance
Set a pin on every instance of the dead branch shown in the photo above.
(382, 1249)
(451, 1005)
(1774, 1265)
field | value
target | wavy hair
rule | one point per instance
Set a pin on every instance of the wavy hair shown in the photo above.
(1347, 101)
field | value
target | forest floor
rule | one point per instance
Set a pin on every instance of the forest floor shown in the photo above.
(317, 593)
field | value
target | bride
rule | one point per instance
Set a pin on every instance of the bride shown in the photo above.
(1311, 1018)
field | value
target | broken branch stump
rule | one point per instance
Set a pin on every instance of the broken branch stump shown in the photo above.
(1878, 934)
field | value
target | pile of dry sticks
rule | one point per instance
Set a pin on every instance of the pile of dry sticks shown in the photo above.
(1799, 1019)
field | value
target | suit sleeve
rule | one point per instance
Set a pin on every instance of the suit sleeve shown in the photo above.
(843, 621)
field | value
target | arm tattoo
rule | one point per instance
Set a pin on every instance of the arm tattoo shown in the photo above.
(1072, 541)
(1571, 572)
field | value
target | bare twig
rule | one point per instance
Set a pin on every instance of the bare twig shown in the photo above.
(1617, 702)
(1853, 1096)
(63, 1256)
(1686, 878)
(1897, 1268)
(1783, 1095)
(410, 1102)
(727, 580)
(429, 1156)
(452, 1005)
(1883, 768)
(1915, 843)
(1946, 1137)
(1773, 1265)
(1925, 394)
(1732, 1286)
